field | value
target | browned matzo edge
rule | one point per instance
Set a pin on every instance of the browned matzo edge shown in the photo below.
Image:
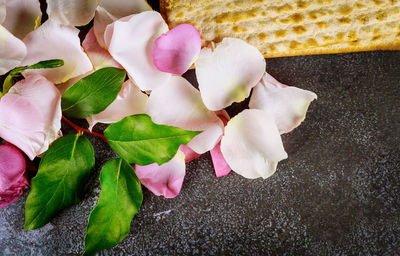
(293, 27)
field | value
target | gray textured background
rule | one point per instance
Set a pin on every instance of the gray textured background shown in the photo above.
(337, 193)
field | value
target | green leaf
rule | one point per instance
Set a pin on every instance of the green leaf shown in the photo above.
(120, 199)
(93, 93)
(62, 175)
(15, 74)
(41, 64)
(8, 83)
(138, 140)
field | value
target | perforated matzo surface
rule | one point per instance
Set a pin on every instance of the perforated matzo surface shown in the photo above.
(289, 27)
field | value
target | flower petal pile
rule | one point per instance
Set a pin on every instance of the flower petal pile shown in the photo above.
(130, 101)
(157, 116)
(287, 105)
(12, 51)
(54, 41)
(130, 42)
(179, 104)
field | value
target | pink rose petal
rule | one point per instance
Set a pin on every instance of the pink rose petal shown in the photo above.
(221, 167)
(130, 101)
(12, 51)
(110, 10)
(13, 180)
(102, 19)
(165, 180)
(130, 41)
(252, 145)
(189, 153)
(122, 8)
(228, 73)
(12, 165)
(21, 16)
(287, 105)
(175, 51)
(71, 12)
(179, 104)
(30, 115)
(99, 57)
(14, 192)
(54, 41)
(3, 11)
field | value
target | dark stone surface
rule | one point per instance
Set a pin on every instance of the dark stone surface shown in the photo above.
(337, 193)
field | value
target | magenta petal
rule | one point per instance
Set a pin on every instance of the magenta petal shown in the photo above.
(189, 153)
(175, 51)
(165, 180)
(13, 182)
(12, 165)
(221, 167)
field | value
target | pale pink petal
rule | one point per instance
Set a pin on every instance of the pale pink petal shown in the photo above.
(2, 11)
(12, 166)
(54, 41)
(20, 124)
(287, 105)
(122, 8)
(110, 10)
(12, 51)
(30, 115)
(130, 42)
(223, 115)
(130, 101)
(189, 153)
(270, 79)
(99, 57)
(165, 180)
(22, 16)
(227, 73)
(102, 19)
(71, 12)
(44, 95)
(252, 145)
(179, 104)
(175, 51)
(221, 167)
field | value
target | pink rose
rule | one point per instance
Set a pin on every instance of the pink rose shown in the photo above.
(13, 179)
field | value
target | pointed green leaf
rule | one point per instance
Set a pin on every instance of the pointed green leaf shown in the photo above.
(138, 140)
(62, 175)
(93, 93)
(41, 64)
(120, 199)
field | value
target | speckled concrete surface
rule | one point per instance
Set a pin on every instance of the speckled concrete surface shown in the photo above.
(337, 193)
